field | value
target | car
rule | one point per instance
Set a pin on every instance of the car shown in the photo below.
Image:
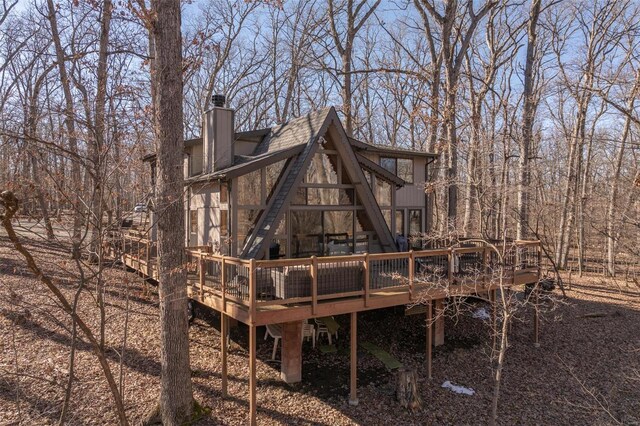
(140, 208)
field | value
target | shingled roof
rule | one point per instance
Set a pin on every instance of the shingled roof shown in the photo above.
(296, 132)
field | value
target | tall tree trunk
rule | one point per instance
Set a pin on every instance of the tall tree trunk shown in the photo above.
(96, 147)
(530, 103)
(574, 165)
(69, 121)
(451, 170)
(346, 49)
(615, 180)
(472, 167)
(176, 400)
(31, 127)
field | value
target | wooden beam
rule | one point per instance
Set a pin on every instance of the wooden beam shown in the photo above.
(201, 269)
(493, 298)
(353, 394)
(224, 333)
(291, 365)
(536, 318)
(367, 279)
(439, 323)
(429, 337)
(314, 284)
(252, 291)
(223, 281)
(252, 375)
(411, 273)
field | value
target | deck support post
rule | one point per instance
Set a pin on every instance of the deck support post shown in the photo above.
(314, 284)
(536, 318)
(291, 366)
(412, 270)
(224, 340)
(252, 375)
(353, 394)
(439, 323)
(429, 337)
(493, 298)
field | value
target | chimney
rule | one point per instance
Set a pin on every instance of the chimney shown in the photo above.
(217, 136)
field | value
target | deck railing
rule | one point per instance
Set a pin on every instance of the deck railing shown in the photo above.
(261, 284)
(258, 284)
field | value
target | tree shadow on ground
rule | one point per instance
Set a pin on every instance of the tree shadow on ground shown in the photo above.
(132, 358)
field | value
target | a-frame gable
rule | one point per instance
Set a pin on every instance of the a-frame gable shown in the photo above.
(331, 128)
(363, 191)
(263, 232)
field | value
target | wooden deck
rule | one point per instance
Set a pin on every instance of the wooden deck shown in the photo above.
(232, 286)
(292, 290)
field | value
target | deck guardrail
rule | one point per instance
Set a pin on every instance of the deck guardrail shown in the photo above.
(264, 284)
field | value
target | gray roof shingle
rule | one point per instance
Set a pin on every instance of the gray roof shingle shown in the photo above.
(296, 132)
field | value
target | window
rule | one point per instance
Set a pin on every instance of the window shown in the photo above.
(387, 217)
(401, 167)
(367, 176)
(383, 193)
(246, 222)
(415, 222)
(224, 223)
(400, 222)
(306, 233)
(389, 164)
(272, 173)
(405, 169)
(323, 169)
(329, 197)
(250, 189)
(224, 193)
(193, 221)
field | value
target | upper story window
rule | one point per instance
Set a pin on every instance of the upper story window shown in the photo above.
(401, 167)
(250, 189)
(323, 169)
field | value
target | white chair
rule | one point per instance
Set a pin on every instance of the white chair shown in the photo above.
(274, 331)
(308, 330)
(322, 329)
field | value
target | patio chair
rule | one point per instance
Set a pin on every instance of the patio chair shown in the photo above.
(274, 331)
(309, 331)
(323, 329)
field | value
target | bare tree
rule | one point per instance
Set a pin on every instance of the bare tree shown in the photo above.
(457, 25)
(176, 401)
(344, 43)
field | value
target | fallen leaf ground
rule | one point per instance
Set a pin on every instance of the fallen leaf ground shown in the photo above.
(586, 371)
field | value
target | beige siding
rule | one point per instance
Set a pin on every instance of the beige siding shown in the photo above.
(196, 160)
(241, 147)
(413, 195)
(206, 200)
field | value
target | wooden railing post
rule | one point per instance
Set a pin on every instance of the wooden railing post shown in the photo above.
(367, 272)
(429, 336)
(539, 260)
(223, 285)
(201, 269)
(314, 284)
(148, 255)
(224, 331)
(485, 265)
(450, 256)
(252, 291)
(411, 273)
